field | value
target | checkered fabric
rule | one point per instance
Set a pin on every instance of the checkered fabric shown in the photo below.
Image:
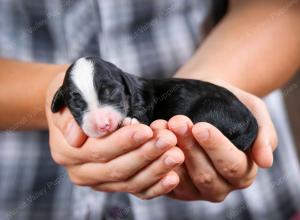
(149, 37)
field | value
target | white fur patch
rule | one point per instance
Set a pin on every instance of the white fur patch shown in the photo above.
(83, 77)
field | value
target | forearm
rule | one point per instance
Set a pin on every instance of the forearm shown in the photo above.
(22, 93)
(256, 47)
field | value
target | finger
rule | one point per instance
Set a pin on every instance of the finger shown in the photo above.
(266, 141)
(159, 169)
(98, 150)
(231, 163)
(127, 165)
(117, 143)
(202, 172)
(159, 124)
(185, 190)
(66, 123)
(167, 184)
(181, 126)
(146, 178)
(162, 187)
(56, 139)
(62, 120)
(61, 151)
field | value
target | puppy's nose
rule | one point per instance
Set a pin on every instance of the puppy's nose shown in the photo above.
(104, 126)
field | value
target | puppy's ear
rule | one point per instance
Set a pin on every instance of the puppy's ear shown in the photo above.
(131, 83)
(58, 100)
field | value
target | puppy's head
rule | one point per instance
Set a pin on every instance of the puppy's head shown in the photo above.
(95, 93)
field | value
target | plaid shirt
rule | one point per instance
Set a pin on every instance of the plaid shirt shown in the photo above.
(152, 37)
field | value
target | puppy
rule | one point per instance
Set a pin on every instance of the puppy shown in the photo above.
(101, 97)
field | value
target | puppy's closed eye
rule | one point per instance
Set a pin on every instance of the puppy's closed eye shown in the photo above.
(109, 92)
(106, 92)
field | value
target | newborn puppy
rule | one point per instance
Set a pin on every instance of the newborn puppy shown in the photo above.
(101, 97)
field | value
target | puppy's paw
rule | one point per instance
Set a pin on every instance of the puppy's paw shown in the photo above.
(129, 121)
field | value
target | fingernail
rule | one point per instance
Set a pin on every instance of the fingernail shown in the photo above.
(269, 151)
(71, 132)
(203, 135)
(182, 130)
(160, 143)
(169, 161)
(169, 180)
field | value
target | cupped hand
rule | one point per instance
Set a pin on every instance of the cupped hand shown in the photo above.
(132, 159)
(213, 166)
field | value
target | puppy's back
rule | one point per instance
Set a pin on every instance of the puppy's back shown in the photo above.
(205, 102)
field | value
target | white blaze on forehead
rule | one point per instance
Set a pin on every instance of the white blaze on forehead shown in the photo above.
(83, 77)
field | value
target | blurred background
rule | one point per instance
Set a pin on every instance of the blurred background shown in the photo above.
(292, 99)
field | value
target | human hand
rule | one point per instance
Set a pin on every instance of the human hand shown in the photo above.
(213, 165)
(133, 159)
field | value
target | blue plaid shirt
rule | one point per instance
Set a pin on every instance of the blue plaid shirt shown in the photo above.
(152, 37)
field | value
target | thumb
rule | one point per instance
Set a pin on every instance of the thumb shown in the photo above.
(63, 120)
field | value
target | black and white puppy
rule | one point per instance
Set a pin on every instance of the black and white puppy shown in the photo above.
(101, 97)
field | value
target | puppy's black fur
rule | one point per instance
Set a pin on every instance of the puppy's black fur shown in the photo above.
(151, 99)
